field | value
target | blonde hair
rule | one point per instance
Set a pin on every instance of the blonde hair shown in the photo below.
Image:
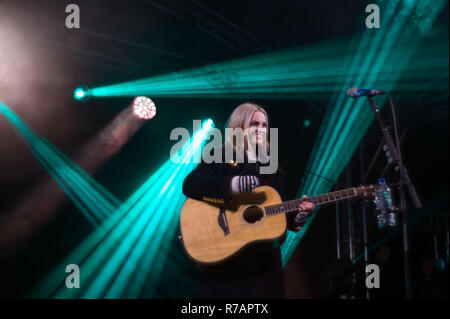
(242, 118)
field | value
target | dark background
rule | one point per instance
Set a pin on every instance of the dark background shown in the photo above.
(38, 84)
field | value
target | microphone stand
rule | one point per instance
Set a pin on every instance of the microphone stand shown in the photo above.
(404, 180)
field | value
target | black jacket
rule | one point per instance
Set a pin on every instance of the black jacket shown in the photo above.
(258, 274)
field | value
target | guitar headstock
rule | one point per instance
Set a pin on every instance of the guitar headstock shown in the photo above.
(366, 191)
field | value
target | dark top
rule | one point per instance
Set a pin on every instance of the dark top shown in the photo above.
(257, 274)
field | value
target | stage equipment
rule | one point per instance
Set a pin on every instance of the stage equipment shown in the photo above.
(82, 93)
(144, 108)
(405, 180)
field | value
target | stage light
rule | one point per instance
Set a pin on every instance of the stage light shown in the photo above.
(71, 175)
(144, 108)
(306, 123)
(208, 124)
(89, 196)
(297, 73)
(82, 93)
(135, 241)
(79, 93)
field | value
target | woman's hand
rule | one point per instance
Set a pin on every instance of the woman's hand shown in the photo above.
(305, 205)
(305, 210)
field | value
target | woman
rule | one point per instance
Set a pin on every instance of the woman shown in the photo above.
(258, 274)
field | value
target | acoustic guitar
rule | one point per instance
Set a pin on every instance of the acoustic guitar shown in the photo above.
(213, 233)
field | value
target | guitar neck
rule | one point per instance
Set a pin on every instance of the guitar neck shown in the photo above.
(327, 198)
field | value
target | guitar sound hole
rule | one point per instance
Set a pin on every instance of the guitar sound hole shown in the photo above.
(253, 214)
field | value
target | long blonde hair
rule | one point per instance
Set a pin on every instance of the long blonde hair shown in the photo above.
(241, 118)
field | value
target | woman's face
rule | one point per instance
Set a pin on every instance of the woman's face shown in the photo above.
(258, 128)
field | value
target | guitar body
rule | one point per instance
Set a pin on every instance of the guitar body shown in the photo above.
(213, 234)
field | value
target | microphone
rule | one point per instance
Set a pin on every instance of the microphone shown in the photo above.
(356, 92)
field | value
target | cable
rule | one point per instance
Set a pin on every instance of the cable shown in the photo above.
(394, 119)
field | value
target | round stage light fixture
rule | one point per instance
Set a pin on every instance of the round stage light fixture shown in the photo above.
(144, 108)
(82, 93)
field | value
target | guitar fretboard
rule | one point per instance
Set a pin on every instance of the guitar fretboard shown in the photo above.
(292, 205)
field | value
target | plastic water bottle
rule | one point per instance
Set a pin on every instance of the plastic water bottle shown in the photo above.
(383, 202)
